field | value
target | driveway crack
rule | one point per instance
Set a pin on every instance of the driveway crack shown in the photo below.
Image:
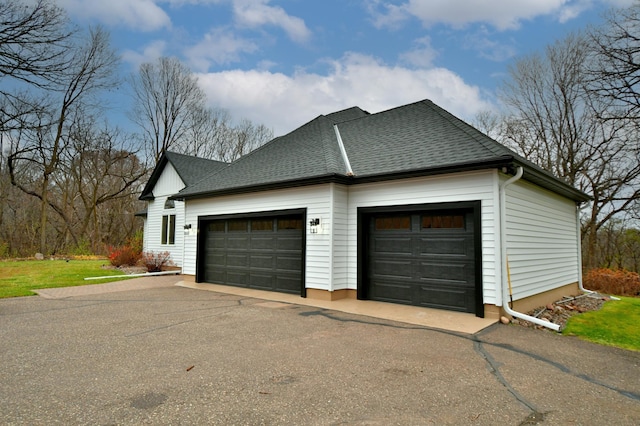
(494, 368)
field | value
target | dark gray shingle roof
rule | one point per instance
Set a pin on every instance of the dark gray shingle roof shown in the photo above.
(419, 138)
(310, 151)
(190, 169)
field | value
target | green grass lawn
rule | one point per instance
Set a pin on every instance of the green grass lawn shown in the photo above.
(19, 278)
(616, 324)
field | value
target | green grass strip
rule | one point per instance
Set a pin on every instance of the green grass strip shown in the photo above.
(20, 278)
(616, 324)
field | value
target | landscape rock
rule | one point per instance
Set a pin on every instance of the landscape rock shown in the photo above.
(561, 310)
(39, 256)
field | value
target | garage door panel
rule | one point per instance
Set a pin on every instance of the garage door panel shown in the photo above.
(444, 246)
(395, 292)
(263, 243)
(393, 246)
(237, 243)
(288, 243)
(263, 253)
(392, 268)
(216, 242)
(238, 278)
(261, 281)
(289, 263)
(237, 260)
(288, 284)
(445, 271)
(449, 298)
(262, 261)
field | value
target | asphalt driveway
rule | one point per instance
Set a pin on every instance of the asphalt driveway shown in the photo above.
(174, 355)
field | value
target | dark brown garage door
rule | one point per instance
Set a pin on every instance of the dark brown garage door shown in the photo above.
(423, 258)
(263, 253)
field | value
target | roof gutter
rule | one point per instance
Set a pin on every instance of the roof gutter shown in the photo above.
(503, 247)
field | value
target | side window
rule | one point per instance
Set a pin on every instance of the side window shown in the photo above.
(169, 229)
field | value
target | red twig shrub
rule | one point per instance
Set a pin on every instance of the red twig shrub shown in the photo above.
(610, 281)
(155, 261)
(123, 255)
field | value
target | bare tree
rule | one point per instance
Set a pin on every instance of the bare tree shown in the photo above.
(91, 69)
(34, 40)
(101, 169)
(207, 130)
(170, 109)
(614, 69)
(556, 121)
(242, 139)
(166, 95)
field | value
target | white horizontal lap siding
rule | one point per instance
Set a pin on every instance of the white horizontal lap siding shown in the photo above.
(340, 237)
(169, 183)
(153, 235)
(472, 186)
(316, 199)
(542, 247)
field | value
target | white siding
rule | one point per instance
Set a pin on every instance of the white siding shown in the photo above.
(541, 239)
(473, 186)
(168, 184)
(317, 201)
(340, 237)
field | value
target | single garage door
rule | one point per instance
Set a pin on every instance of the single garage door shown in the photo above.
(263, 253)
(422, 258)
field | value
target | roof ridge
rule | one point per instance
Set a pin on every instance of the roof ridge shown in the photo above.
(494, 146)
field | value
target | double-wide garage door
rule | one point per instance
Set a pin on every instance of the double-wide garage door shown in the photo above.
(423, 258)
(263, 253)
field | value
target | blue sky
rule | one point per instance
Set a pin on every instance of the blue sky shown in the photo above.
(283, 62)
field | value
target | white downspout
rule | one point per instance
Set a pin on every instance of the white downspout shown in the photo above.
(579, 238)
(503, 246)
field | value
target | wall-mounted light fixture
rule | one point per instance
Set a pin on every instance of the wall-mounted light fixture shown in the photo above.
(187, 226)
(314, 225)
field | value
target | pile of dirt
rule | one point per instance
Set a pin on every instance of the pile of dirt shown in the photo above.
(561, 310)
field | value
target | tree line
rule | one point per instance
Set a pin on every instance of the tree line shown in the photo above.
(69, 179)
(573, 109)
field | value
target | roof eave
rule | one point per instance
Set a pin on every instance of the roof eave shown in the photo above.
(492, 163)
(538, 177)
(293, 183)
(552, 183)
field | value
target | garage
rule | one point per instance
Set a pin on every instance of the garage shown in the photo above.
(263, 252)
(424, 256)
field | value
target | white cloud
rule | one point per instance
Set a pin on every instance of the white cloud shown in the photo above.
(141, 15)
(486, 45)
(218, 46)
(256, 13)
(422, 56)
(150, 53)
(501, 14)
(284, 102)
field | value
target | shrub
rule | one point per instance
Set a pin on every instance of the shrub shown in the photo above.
(610, 281)
(123, 255)
(136, 241)
(155, 261)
